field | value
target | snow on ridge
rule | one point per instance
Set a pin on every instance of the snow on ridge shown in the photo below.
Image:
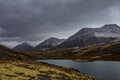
(107, 34)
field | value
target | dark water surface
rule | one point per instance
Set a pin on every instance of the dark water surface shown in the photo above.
(103, 70)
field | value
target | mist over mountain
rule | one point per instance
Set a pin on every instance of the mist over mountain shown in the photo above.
(90, 36)
(24, 47)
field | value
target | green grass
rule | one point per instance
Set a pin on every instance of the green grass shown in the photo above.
(9, 54)
(20, 66)
(13, 70)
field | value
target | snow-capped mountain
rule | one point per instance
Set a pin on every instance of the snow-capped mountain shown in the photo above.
(111, 30)
(90, 36)
(49, 43)
(24, 47)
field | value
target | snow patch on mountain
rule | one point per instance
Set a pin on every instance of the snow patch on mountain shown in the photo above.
(49, 43)
(107, 34)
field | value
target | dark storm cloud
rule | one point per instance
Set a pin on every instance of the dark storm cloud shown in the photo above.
(30, 20)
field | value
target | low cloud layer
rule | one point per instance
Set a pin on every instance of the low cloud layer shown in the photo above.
(36, 20)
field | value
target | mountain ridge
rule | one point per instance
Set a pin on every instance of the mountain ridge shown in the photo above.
(106, 33)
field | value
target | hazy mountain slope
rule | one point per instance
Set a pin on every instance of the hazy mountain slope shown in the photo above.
(9, 54)
(49, 43)
(24, 47)
(90, 36)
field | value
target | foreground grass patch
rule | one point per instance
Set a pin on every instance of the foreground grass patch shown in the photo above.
(38, 71)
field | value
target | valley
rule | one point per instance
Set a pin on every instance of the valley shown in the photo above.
(23, 61)
(20, 66)
(59, 39)
(105, 51)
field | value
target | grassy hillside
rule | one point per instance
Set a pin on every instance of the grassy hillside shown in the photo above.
(9, 54)
(38, 71)
(18, 66)
(108, 51)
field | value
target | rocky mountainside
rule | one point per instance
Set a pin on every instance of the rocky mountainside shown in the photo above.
(49, 43)
(90, 36)
(24, 47)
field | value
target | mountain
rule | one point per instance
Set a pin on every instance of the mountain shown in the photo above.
(90, 36)
(9, 54)
(49, 43)
(24, 47)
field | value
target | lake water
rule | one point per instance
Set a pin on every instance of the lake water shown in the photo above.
(103, 70)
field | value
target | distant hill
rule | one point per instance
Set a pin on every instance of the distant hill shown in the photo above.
(49, 43)
(91, 36)
(24, 47)
(9, 54)
(104, 51)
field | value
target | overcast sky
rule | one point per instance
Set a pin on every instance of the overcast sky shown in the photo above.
(36, 20)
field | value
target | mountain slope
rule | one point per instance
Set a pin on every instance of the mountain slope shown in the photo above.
(49, 43)
(39, 71)
(90, 36)
(105, 51)
(24, 47)
(9, 54)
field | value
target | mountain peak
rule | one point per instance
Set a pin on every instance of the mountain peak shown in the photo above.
(49, 43)
(25, 43)
(90, 36)
(111, 26)
(85, 29)
(24, 47)
(52, 38)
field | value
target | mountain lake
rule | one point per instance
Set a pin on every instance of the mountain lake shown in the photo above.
(102, 70)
